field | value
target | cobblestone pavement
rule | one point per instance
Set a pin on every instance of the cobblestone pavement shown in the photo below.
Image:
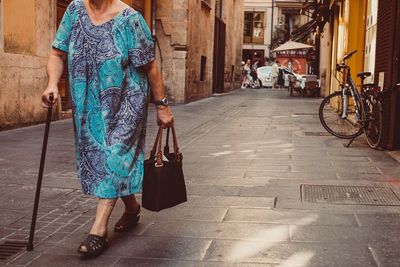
(248, 159)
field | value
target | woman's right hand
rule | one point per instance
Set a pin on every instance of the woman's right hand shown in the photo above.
(46, 102)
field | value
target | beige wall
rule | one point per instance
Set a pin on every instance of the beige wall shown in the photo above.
(325, 66)
(233, 15)
(171, 45)
(22, 63)
(1, 26)
(200, 43)
(19, 26)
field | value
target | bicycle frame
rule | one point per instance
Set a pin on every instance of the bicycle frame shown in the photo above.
(350, 87)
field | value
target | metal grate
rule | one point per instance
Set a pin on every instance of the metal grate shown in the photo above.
(10, 248)
(317, 134)
(349, 195)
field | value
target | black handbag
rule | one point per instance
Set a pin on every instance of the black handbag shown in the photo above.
(163, 182)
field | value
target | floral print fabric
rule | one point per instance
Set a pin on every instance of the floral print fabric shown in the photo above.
(109, 93)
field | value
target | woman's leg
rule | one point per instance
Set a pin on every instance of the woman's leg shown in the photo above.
(104, 209)
(131, 205)
(131, 214)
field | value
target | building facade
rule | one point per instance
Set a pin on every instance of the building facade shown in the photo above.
(267, 24)
(372, 28)
(198, 47)
(387, 67)
(26, 31)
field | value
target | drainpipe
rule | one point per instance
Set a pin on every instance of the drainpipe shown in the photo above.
(272, 26)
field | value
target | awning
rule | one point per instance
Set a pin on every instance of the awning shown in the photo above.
(291, 45)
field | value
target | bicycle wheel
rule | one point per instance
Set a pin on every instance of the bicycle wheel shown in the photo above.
(374, 121)
(334, 121)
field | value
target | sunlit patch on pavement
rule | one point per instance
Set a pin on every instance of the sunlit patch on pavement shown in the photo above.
(299, 259)
(223, 153)
(247, 248)
(268, 238)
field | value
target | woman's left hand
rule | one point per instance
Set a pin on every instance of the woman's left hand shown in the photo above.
(165, 118)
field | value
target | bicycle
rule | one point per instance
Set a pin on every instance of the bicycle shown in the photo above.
(348, 113)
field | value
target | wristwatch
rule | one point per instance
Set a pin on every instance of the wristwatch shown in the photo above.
(162, 102)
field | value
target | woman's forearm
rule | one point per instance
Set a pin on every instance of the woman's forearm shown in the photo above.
(155, 80)
(55, 66)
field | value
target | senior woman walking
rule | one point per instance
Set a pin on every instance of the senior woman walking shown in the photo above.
(110, 54)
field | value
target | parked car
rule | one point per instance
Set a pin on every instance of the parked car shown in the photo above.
(265, 76)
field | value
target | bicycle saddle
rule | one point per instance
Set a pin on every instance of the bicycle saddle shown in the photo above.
(364, 75)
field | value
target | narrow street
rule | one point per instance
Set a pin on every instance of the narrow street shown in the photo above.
(266, 185)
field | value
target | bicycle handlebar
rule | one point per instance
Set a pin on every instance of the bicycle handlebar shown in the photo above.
(348, 56)
(343, 65)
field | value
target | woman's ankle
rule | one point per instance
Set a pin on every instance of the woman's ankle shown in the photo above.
(132, 208)
(100, 230)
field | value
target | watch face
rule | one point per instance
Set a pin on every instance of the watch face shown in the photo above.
(163, 102)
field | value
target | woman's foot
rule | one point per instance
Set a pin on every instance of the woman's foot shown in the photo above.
(128, 220)
(93, 246)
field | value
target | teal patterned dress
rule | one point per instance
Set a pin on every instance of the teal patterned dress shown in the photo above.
(109, 92)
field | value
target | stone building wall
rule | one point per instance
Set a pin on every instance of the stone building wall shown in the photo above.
(26, 36)
(171, 45)
(200, 44)
(185, 34)
(233, 15)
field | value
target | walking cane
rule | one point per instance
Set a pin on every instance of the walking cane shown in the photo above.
(40, 176)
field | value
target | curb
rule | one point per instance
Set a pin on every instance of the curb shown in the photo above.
(395, 155)
(224, 94)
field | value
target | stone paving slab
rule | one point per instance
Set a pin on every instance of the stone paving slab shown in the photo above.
(222, 230)
(289, 217)
(289, 254)
(173, 263)
(71, 260)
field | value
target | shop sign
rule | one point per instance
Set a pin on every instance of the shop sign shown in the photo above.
(300, 53)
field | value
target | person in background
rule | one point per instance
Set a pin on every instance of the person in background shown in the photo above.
(255, 65)
(275, 74)
(247, 77)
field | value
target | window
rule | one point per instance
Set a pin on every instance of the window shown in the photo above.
(19, 26)
(203, 61)
(253, 27)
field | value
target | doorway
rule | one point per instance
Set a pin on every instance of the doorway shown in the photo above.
(254, 55)
(219, 56)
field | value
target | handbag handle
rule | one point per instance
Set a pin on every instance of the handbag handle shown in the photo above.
(174, 141)
(166, 147)
(156, 150)
(159, 156)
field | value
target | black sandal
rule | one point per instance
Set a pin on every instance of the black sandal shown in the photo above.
(127, 221)
(95, 245)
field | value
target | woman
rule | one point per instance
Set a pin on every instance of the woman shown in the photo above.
(247, 77)
(110, 54)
